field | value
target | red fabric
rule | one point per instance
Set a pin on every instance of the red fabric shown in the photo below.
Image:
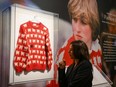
(96, 58)
(52, 84)
(66, 55)
(33, 50)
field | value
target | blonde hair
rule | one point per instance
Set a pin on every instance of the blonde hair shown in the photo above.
(86, 10)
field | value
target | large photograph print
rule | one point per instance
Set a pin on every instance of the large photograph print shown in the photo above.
(32, 45)
(38, 43)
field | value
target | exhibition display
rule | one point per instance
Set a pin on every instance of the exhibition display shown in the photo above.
(30, 45)
(29, 36)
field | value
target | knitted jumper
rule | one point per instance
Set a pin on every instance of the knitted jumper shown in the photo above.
(33, 49)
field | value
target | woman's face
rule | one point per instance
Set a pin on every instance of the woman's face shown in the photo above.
(71, 52)
(81, 31)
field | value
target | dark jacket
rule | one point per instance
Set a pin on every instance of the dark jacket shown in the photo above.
(80, 76)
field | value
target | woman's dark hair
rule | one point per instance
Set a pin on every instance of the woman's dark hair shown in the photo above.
(80, 50)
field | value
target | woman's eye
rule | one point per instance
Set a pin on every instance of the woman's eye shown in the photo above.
(70, 51)
(83, 22)
(75, 19)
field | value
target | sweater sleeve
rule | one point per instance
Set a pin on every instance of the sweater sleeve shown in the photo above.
(21, 52)
(48, 49)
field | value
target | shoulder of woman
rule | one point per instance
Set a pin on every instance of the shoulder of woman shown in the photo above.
(85, 63)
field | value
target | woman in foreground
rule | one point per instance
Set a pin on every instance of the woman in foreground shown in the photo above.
(79, 73)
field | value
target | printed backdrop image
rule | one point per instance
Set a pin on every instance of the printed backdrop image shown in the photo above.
(103, 52)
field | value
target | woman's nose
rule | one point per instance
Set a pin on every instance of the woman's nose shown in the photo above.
(77, 26)
(69, 51)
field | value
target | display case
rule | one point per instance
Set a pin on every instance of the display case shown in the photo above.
(29, 44)
(100, 79)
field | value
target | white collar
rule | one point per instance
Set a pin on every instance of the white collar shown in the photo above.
(95, 46)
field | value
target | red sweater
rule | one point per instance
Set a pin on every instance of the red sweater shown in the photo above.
(33, 50)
